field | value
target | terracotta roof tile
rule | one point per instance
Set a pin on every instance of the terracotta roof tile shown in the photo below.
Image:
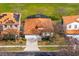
(31, 25)
(70, 19)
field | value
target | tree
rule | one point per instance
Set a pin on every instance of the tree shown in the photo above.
(58, 28)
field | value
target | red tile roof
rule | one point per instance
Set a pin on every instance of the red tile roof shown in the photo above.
(31, 25)
(70, 19)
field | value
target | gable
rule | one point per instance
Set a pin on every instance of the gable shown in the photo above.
(74, 23)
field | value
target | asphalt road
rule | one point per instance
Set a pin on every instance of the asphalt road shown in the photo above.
(28, 53)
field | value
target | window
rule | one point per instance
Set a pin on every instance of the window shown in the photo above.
(36, 27)
(69, 26)
(16, 25)
(43, 34)
(11, 26)
(75, 26)
(48, 34)
(5, 25)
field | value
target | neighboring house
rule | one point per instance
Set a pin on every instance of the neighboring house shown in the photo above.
(10, 23)
(71, 26)
(38, 24)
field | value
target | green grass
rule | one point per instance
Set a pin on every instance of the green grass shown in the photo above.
(12, 49)
(20, 49)
(52, 9)
(49, 49)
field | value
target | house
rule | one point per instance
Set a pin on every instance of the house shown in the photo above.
(9, 23)
(38, 24)
(71, 26)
